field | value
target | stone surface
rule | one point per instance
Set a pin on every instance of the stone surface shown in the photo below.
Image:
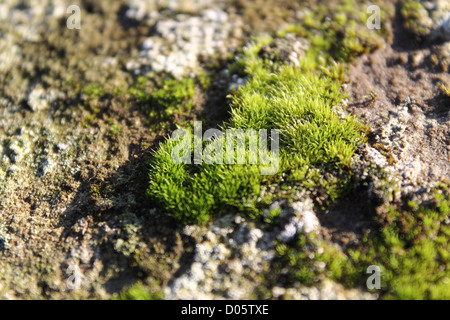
(69, 200)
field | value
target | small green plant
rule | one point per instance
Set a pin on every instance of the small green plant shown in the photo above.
(140, 90)
(169, 95)
(93, 91)
(411, 249)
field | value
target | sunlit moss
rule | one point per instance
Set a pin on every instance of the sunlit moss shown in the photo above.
(313, 140)
(339, 32)
(140, 292)
(411, 248)
(414, 17)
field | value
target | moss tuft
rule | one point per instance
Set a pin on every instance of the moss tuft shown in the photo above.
(411, 249)
(314, 140)
(339, 32)
(139, 292)
(415, 17)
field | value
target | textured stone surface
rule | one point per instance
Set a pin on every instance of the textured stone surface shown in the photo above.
(69, 200)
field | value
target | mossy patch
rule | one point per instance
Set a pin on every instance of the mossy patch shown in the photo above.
(165, 99)
(114, 129)
(445, 90)
(339, 31)
(93, 91)
(415, 17)
(314, 140)
(161, 99)
(138, 291)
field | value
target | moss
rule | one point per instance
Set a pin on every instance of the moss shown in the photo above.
(415, 17)
(411, 249)
(204, 80)
(140, 292)
(139, 90)
(272, 215)
(95, 191)
(314, 141)
(93, 91)
(88, 120)
(445, 90)
(173, 93)
(339, 32)
(162, 100)
(114, 129)
(167, 95)
(300, 258)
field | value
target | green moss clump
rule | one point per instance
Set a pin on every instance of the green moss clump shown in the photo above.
(140, 90)
(411, 249)
(445, 90)
(160, 100)
(114, 129)
(339, 32)
(415, 17)
(302, 257)
(314, 141)
(139, 292)
(174, 93)
(94, 91)
(167, 95)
